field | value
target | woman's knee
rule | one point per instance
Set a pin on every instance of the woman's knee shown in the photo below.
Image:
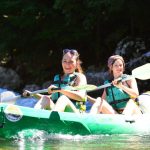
(98, 102)
(44, 102)
(63, 99)
(62, 103)
(131, 103)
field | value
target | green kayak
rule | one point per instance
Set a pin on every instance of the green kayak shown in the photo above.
(15, 119)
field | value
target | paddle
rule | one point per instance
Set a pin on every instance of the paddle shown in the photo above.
(10, 97)
(81, 87)
(142, 73)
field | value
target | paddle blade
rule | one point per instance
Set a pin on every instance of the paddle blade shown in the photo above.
(7, 97)
(86, 87)
(142, 72)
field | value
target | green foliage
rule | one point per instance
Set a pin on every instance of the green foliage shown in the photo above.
(34, 32)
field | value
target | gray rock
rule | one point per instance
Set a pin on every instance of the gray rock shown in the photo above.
(9, 79)
(31, 87)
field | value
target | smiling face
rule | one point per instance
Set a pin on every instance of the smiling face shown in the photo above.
(69, 63)
(117, 68)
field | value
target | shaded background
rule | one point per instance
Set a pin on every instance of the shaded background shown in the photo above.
(34, 32)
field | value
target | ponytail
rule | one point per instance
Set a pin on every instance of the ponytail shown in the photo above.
(79, 68)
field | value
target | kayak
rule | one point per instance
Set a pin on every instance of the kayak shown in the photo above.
(16, 119)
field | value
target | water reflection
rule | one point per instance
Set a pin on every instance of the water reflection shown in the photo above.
(32, 144)
(69, 142)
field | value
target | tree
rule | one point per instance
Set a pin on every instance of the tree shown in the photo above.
(33, 33)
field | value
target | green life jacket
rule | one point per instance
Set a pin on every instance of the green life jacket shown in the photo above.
(69, 80)
(116, 97)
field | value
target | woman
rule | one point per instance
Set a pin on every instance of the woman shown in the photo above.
(120, 97)
(63, 99)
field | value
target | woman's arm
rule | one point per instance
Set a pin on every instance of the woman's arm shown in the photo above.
(132, 90)
(91, 99)
(104, 94)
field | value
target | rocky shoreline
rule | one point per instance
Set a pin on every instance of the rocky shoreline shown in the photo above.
(135, 53)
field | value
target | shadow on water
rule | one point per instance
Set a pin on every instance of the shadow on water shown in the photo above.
(43, 141)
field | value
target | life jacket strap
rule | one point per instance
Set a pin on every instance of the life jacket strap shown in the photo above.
(119, 101)
(59, 82)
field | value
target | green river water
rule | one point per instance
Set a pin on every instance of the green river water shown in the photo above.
(77, 142)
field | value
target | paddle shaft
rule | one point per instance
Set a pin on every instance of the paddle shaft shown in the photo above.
(101, 87)
(109, 84)
(75, 88)
(42, 91)
(36, 92)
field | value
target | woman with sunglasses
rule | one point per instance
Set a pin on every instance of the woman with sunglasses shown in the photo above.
(62, 99)
(121, 96)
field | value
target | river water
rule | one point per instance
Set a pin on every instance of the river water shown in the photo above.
(69, 142)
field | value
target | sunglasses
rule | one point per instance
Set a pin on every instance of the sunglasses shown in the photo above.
(71, 51)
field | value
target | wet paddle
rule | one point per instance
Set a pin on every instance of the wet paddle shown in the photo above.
(10, 97)
(81, 87)
(142, 73)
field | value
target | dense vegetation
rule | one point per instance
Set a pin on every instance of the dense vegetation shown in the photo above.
(34, 32)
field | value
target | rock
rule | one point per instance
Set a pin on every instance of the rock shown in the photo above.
(31, 87)
(96, 78)
(136, 52)
(9, 79)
